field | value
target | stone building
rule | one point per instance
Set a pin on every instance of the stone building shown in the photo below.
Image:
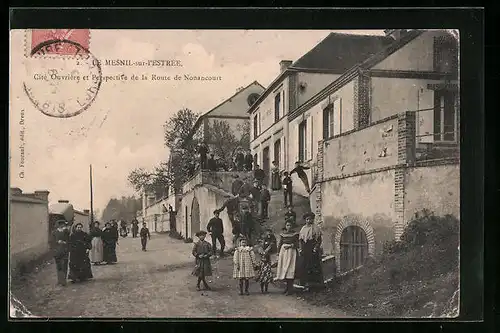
(383, 140)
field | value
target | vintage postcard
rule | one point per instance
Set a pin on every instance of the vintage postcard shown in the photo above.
(234, 173)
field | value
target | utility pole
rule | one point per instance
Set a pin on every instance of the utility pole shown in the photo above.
(91, 199)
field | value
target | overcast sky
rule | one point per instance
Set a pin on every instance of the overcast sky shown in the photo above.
(122, 129)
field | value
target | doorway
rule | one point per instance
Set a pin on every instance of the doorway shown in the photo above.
(277, 152)
(195, 217)
(265, 164)
(353, 248)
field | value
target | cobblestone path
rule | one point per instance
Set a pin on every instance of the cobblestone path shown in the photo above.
(156, 283)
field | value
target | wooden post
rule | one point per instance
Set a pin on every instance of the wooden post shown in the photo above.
(91, 199)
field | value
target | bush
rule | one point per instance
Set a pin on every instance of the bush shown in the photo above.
(418, 270)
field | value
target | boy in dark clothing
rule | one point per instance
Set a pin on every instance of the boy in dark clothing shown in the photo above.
(287, 189)
(240, 160)
(135, 228)
(265, 197)
(216, 229)
(61, 251)
(259, 174)
(145, 235)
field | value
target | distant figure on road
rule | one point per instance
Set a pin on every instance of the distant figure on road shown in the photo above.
(299, 170)
(123, 228)
(109, 239)
(216, 229)
(79, 262)
(61, 251)
(145, 235)
(202, 252)
(248, 161)
(203, 151)
(135, 228)
(287, 189)
(96, 253)
(244, 264)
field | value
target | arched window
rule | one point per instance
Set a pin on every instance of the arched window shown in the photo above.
(353, 248)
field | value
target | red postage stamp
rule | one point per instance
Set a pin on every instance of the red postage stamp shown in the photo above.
(38, 36)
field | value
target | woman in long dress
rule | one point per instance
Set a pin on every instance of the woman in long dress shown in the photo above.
(287, 258)
(109, 239)
(96, 253)
(79, 262)
(275, 177)
(311, 272)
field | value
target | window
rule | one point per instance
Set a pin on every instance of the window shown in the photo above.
(445, 54)
(277, 106)
(353, 248)
(277, 152)
(255, 127)
(328, 121)
(303, 140)
(445, 116)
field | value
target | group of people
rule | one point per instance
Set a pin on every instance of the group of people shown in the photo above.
(75, 249)
(299, 257)
(241, 160)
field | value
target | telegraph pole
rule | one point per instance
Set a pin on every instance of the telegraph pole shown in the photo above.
(91, 199)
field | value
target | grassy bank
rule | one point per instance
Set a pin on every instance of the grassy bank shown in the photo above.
(416, 277)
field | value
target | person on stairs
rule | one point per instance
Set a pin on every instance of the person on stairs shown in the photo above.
(287, 189)
(265, 197)
(299, 170)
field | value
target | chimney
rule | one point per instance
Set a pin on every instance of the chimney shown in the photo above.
(86, 211)
(43, 195)
(15, 191)
(63, 201)
(284, 64)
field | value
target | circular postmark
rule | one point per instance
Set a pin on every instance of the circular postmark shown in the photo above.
(62, 86)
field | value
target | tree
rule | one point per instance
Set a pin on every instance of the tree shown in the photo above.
(224, 140)
(182, 157)
(121, 209)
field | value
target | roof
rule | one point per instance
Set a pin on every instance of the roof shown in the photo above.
(203, 116)
(354, 71)
(336, 53)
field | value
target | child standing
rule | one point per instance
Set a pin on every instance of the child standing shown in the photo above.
(265, 274)
(202, 251)
(244, 264)
(287, 189)
(145, 235)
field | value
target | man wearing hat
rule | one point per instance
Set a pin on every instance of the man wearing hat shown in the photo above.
(61, 251)
(237, 184)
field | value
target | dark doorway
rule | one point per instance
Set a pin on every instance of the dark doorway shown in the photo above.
(277, 152)
(266, 164)
(353, 248)
(195, 217)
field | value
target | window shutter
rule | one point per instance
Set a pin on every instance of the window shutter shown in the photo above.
(336, 117)
(326, 122)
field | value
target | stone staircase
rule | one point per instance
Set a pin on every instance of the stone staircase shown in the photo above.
(277, 211)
